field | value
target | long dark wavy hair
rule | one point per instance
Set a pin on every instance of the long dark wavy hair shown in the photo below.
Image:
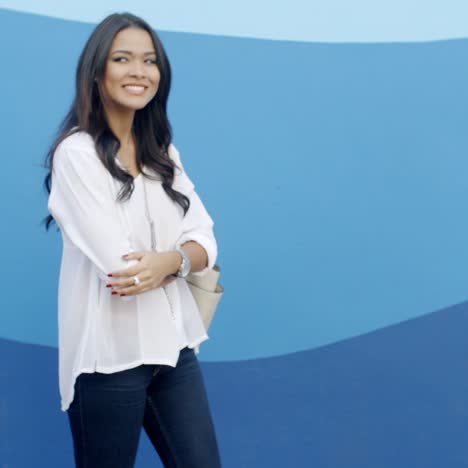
(151, 125)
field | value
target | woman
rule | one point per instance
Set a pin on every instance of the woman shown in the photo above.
(132, 228)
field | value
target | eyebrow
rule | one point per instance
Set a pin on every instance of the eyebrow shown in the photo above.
(131, 53)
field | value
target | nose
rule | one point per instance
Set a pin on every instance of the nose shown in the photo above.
(137, 70)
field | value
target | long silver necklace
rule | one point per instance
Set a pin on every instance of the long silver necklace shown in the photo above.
(148, 216)
(150, 221)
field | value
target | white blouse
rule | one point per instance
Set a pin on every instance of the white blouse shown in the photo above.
(98, 331)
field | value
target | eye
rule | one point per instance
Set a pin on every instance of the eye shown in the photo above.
(152, 61)
(119, 59)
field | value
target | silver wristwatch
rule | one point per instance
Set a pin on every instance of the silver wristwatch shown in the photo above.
(185, 266)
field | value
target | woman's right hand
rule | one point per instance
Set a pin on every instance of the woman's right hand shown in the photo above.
(154, 270)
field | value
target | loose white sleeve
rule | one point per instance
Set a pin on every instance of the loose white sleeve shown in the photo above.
(81, 203)
(197, 224)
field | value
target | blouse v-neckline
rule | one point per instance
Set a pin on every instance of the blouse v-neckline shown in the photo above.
(119, 163)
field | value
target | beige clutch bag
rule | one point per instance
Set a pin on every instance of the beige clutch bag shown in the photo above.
(207, 292)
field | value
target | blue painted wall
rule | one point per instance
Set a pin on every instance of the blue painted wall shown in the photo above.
(336, 174)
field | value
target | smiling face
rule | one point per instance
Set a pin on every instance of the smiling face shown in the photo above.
(131, 76)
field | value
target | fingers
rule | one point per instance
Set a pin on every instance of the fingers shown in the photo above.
(148, 271)
(131, 271)
(117, 285)
(134, 256)
(130, 289)
(127, 287)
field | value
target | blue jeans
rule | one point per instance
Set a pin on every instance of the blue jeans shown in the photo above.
(109, 410)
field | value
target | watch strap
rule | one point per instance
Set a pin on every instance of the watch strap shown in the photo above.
(185, 266)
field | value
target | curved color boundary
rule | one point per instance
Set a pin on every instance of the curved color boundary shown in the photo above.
(295, 20)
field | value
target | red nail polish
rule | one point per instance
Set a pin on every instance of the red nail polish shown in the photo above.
(115, 292)
(110, 274)
(122, 295)
(109, 285)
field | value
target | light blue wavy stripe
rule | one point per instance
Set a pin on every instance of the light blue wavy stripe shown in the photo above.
(336, 175)
(298, 20)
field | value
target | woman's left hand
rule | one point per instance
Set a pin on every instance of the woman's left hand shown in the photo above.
(154, 270)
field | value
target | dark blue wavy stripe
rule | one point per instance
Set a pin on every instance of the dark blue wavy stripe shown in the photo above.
(393, 398)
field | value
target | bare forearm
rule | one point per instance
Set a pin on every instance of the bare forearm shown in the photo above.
(195, 252)
(197, 255)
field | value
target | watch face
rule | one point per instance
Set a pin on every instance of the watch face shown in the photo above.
(185, 267)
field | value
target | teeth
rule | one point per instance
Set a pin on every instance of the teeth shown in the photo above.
(135, 88)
